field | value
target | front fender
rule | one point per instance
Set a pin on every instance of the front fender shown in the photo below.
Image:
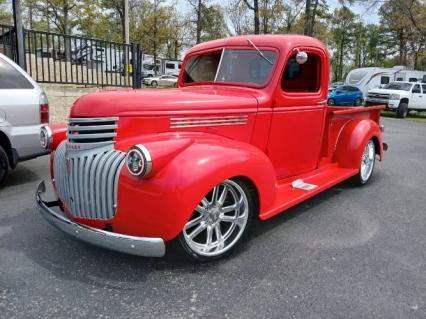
(160, 206)
(352, 140)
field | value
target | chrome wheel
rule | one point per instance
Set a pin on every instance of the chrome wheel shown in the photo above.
(367, 161)
(218, 221)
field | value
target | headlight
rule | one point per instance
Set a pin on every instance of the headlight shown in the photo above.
(46, 137)
(138, 161)
(394, 97)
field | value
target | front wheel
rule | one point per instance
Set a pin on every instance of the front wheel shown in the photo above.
(219, 223)
(366, 166)
(358, 101)
(154, 84)
(4, 165)
(331, 102)
(402, 110)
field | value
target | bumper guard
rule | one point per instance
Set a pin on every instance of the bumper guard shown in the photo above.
(139, 246)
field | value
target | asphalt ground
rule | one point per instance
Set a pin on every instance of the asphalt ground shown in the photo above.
(347, 253)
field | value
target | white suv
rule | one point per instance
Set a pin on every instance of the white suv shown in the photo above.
(23, 110)
(399, 96)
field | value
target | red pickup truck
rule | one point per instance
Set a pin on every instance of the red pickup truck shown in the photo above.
(246, 133)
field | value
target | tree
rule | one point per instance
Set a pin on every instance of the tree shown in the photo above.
(5, 15)
(238, 15)
(255, 8)
(343, 24)
(198, 6)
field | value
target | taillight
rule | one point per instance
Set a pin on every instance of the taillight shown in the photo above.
(44, 109)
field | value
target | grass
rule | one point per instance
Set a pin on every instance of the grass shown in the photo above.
(419, 117)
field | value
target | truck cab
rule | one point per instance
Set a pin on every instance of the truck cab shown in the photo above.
(246, 134)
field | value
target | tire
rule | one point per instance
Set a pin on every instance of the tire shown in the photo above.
(358, 101)
(402, 110)
(212, 231)
(366, 167)
(331, 102)
(154, 84)
(4, 165)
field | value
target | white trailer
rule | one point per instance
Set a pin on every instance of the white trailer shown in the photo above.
(374, 77)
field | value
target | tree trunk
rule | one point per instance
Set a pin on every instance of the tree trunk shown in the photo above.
(307, 17)
(199, 17)
(67, 39)
(312, 19)
(256, 17)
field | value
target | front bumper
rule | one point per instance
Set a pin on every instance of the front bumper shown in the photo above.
(139, 246)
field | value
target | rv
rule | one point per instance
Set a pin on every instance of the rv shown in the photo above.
(161, 67)
(373, 77)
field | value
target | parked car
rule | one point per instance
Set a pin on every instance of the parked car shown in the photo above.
(401, 97)
(247, 134)
(23, 109)
(162, 80)
(345, 95)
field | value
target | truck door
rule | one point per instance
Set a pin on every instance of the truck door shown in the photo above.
(417, 97)
(298, 115)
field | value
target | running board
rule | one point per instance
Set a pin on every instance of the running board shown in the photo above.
(291, 193)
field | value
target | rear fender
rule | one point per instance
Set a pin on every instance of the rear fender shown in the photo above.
(162, 204)
(352, 140)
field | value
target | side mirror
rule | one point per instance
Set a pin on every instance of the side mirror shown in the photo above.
(301, 56)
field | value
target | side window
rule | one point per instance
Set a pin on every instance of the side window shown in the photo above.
(412, 80)
(399, 79)
(10, 78)
(170, 66)
(384, 80)
(302, 77)
(424, 88)
(416, 89)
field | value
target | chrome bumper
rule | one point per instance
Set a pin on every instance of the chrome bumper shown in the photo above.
(139, 246)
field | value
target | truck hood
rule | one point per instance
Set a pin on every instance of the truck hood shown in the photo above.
(386, 91)
(140, 102)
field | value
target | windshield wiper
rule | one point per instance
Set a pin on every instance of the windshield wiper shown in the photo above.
(260, 52)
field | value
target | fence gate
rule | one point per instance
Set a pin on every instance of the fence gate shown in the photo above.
(67, 59)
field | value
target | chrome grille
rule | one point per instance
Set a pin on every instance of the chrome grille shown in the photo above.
(87, 179)
(378, 96)
(92, 130)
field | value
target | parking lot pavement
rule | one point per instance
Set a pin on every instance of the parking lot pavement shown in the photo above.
(347, 253)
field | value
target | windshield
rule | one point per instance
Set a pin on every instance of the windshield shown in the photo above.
(399, 86)
(230, 65)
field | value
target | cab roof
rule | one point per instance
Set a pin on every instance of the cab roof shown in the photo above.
(279, 41)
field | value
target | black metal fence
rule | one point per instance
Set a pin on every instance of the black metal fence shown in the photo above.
(8, 41)
(68, 59)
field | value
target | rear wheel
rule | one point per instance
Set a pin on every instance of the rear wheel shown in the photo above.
(357, 101)
(402, 110)
(4, 165)
(366, 166)
(219, 223)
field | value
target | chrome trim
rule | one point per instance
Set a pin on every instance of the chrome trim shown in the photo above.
(92, 119)
(139, 246)
(87, 179)
(182, 122)
(92, 130)
(147, 157)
